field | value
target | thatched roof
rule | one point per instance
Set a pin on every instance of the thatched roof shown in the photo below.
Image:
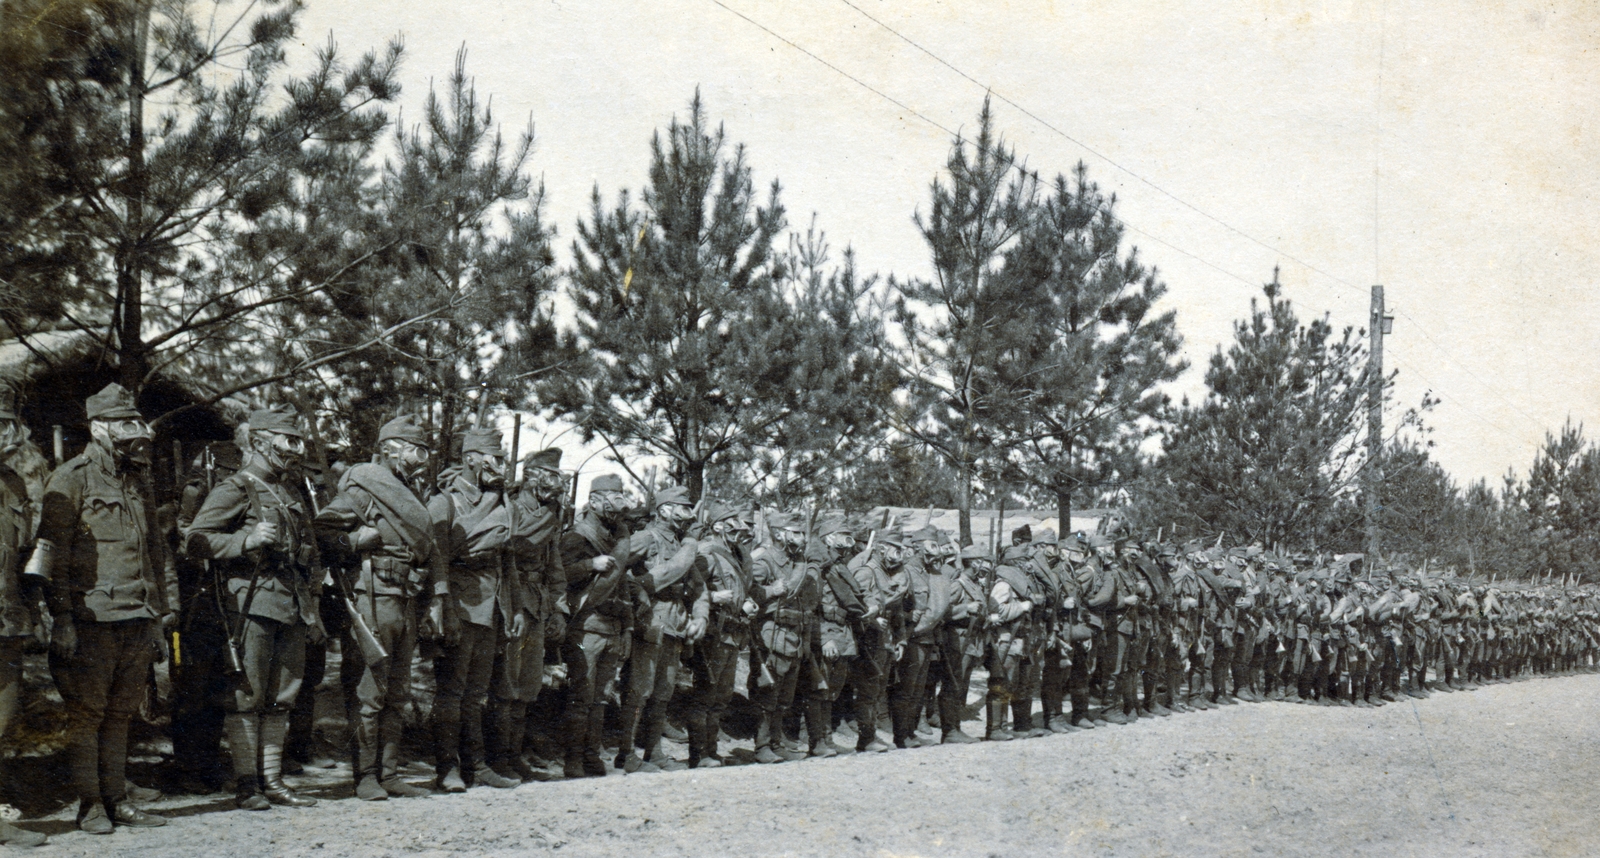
(51, 373)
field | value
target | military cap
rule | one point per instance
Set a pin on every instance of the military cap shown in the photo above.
(722, 510)
(482, 440)
(673, 494)
(832, 525)
(1024, 533)
(405, 429)
(279, 418)
(892, 537)
(927, 533)
(547, 459)
(1046, 536)
(1098, 541)
(113, 402)
(606, 483)
(975, 552)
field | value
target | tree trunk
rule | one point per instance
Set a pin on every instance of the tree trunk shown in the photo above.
(694, 479)
(129, 320)
(1064, 512)
(964, 471)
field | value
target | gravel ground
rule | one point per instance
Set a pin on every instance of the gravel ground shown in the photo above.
(1503, 770)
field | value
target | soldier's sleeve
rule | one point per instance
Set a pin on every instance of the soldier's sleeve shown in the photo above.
(766, 583)
(701, 609)
(217, 532)
(1105, 593)
(58, 522)
(442, 511)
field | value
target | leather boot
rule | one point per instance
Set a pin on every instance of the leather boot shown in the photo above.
(767, 738)
(274, 730)
(10, 835)
(447, 756)
(995, 725)
(244, 745)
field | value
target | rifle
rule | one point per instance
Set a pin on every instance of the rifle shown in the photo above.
(372, 650)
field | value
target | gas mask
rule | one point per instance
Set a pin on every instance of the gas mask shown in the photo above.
(610, 506)
(892, 557)
(676, 515)
(408, 459)
(128, 439)
(282, 453)
(12, 436)
(793, 540)
(491, 470)
(840, 542)
(548, 486)
(732, 530)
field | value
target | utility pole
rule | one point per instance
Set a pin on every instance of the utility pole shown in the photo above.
(1379, 326)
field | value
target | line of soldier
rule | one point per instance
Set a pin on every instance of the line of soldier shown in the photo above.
(616, 602)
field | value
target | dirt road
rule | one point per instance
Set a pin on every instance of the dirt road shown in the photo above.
(1505, 770)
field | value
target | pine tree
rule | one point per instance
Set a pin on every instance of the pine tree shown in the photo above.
(968, 326)
(181, 133)
(1085, 400)
(1267, 454)
(680, 309)
(464, 282)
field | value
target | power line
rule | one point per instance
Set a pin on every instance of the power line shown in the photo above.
(1098, 154)
(925, 118)
(1230, 227)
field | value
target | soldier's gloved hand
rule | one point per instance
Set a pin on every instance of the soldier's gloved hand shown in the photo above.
(695, 630)
(365, 538)
(433, 623)
(159, 651)
(883, 622)
(899, 651)
(603, 564)
(64, 639)
(749, 607)
(1130, 600)
(721, 597)
(830, 649)
(264, 533)
(519, 625)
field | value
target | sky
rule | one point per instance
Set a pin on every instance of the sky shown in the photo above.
(1449, 150)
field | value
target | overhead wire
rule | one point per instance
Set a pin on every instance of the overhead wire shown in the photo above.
(1437, 346)
(1382, 50)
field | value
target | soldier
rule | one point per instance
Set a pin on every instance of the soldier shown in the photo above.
(19, 594)
(834, 639)
(255, 527)
(785, 586)
(876, 573)
(487, 604)
(592, 553)
(537, 516)
(714, 663)
(662, 564)
(925, 606)
(1010, 606)
(108, 602)
(201, 688)
(961, 640)
(380, 514)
